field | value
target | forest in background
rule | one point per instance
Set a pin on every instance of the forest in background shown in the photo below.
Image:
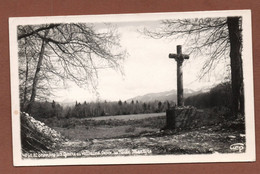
(219, 96)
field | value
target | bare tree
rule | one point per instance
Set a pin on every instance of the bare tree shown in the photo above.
(28, 58)
(214, 38)
(72, 52)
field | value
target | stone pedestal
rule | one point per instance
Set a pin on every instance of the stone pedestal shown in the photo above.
(170, 118)
(186, 117)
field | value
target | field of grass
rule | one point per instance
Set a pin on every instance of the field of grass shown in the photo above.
(108, 127)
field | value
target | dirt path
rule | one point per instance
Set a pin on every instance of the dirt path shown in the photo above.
(203, 141)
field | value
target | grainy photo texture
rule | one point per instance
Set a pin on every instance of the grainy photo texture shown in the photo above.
(136, 88)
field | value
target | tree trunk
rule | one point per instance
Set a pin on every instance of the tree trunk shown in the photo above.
(36, 77)
(26, 81)
(25, 85)
(236, 66)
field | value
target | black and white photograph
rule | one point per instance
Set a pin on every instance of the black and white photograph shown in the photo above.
(132, 88)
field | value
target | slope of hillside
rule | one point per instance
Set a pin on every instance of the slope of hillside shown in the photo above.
(36, 136)
(163, 96)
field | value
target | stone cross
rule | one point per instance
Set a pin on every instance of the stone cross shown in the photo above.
(179, 57)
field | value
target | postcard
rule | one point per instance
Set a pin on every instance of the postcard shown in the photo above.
(132, 88)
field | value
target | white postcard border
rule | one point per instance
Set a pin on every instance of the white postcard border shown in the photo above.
(249, 155)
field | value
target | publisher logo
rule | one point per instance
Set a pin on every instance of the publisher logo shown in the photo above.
(237, 147)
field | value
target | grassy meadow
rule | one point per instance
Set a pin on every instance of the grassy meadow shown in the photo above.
(107, 127)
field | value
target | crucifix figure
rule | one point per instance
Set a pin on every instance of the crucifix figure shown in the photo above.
(179, 57)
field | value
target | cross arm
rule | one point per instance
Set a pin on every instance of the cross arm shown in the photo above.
(173, 56)
(184, 56)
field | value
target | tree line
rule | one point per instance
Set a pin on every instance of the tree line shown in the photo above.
(95, 109)
(219, 96)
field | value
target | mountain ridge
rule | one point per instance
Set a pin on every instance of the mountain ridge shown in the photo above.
(170, 95)
(165, 96)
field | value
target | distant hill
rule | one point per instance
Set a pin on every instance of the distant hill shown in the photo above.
(164, 96)
(150, 97)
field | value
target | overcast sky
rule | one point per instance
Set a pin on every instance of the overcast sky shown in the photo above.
(147, 69)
